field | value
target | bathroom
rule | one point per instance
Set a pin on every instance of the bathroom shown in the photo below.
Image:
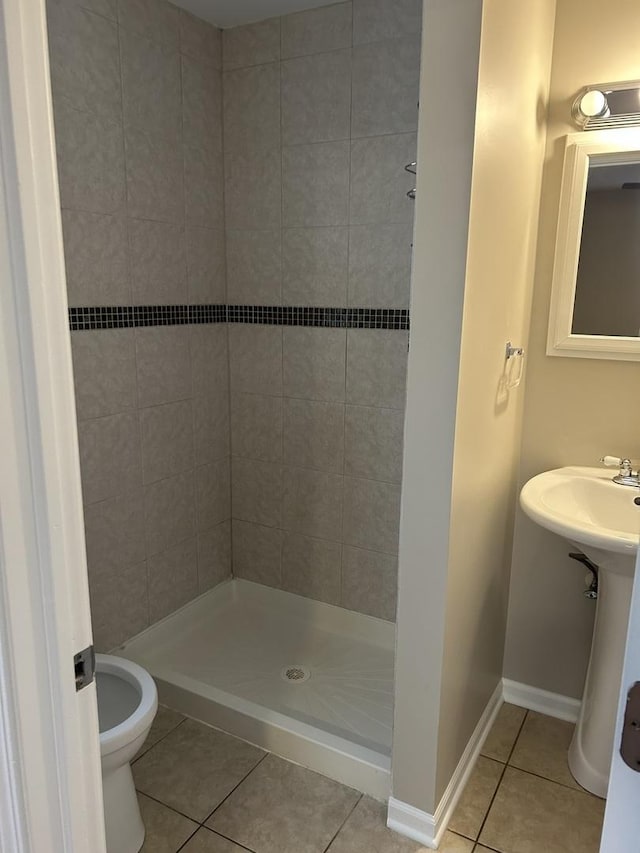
(300, 457)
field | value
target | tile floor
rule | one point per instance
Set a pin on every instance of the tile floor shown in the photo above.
(203, 791)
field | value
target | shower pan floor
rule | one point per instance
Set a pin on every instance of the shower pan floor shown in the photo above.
(307, 680)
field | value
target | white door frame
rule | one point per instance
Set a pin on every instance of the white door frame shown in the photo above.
(50, 781)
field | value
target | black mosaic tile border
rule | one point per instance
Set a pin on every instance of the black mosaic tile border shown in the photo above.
(134, 316)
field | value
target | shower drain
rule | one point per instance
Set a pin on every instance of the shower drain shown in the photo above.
(295, 674)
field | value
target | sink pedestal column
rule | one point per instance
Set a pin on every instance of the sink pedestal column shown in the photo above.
(592, 745)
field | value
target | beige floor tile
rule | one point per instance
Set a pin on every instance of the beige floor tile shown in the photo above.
(476, 798)
(366, 832)
(530, 815)
(165, 721)
(165, 830)
(452, 843)
(284, 808)
(205, 841)
(194, 768)
(504, 732)
(542, 748)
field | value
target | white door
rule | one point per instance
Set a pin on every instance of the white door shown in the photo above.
(50, 780)
(621, 832)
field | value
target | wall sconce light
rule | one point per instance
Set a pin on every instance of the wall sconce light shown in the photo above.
(607, 105)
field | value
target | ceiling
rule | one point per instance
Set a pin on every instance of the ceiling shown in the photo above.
(230, 13)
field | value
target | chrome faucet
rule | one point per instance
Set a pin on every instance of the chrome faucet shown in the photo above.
(626, 475)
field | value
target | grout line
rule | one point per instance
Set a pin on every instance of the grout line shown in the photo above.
(235, 788)
(147, 751)
(182, 846)
(166, 806)
(504, 770)
(342, 825)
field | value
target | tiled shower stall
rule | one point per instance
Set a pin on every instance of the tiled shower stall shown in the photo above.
(216, 188)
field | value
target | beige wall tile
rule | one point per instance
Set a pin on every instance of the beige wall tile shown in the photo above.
(173, 578)
(214, 556)
(377, 367)
(163, 364)
(371, 514)
(373, 443)
(252, 108)
(256, 426)
(315, 266)
(104, 372)
(167, 440)
(257, 491)
(253, 44)
(374, 20)
(379, 183)
(170, 512)
(200, 40)
(314, 434)
(314, 363)
(369, 582)
(315, 184)
(312, 503)
(255, 359)
(110, 461)
(311, 567)
(158, 262)
(213, 494)
(96, 258)
(316, 30)
(257, 553)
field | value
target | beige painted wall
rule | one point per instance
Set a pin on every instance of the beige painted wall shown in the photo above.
(515, 66)
(576, 410)
(455, 532)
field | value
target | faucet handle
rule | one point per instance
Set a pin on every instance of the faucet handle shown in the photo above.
(625, 466)
(612, 461)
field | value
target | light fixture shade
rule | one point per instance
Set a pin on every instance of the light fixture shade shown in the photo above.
(607, 105)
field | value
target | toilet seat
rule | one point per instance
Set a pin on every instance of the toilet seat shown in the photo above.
(133, 724)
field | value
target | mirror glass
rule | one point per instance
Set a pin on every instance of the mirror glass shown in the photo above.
(607, 296)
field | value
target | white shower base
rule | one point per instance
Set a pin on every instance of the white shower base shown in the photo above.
(224, 657)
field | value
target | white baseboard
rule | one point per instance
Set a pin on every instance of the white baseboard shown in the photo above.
(426, 828)
(535, 699)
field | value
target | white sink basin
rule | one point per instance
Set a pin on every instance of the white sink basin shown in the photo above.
(586, 507)
(601, 518)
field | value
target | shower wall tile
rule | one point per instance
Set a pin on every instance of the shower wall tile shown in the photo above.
(155, 185)
(312, 503)
(253, 195)
(84, 61)
(256, 423)
(211, 428)
(203, 188)
(213, 494)
(214, 556)
(200, 41)
(315, 184)
(119, 606)
(369, 582)
(374, 20)
(158, 262)
(201, 106)
(110, 461)
(316, 98)
(173, 578)
(255, 359)
(206, 263)
(253, 44)
(209, 360)
(151, 86)
(385, 87)
(371, 514)
(377, 367)
(316, 30)
(254, 267)
(379, 182)
(380, 265)
(138, 117)
(311, 567)
(163, 364)
(373, 443)
(167, 440)
(314, 363)
(170, 511)
(257, 553)
(90, 161)
(114, 532)
(257, 491)
(104, 373)
(155, 19)
(95, 251)
(314, 434)
(252, 108)
(315, 264)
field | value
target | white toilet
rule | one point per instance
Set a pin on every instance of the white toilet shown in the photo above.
(127, 704)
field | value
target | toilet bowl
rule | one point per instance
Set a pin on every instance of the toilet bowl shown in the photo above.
(127, 704)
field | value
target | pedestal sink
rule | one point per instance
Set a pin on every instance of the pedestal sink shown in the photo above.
(601, 519)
